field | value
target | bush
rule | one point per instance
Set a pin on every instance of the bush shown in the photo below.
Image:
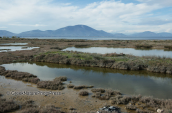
(56, 48)
(31, 110)
(97, 95)
(82, 45)
(98, 90)
(82, 87)
(119, 99)
(143, 46)
(61, 79)
(131, 107)
(54, 85)
(83, 93)
(7, 106)
(70, 85)
(32, 80)
(168, 47)
(50, 109)
(143, 111)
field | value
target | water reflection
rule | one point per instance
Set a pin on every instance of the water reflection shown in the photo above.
(15, 48)
(14, 44)
(135, 52)
(128, 82)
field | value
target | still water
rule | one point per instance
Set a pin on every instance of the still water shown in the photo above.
(14, 44)
(128, 82)
(132, 51)
(15, 48)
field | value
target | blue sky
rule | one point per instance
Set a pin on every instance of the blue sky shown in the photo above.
(114, 16)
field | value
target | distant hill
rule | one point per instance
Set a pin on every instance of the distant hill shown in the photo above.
(77, 30)
(81, 31)
(151, 34)
(6, 33)
(118, 35)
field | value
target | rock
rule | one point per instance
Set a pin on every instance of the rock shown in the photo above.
(160, 110)
(108, 109)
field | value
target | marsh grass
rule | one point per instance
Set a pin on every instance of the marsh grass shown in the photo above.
(143, 46)
(7, 106)
(168, 47)
(56, 84)
(84, 93)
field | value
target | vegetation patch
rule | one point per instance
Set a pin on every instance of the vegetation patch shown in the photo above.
(98, 90)
(82, 87)
(56, 84)
(70, 85)
(58, 48)
(104, 94)
(131, 107)
(143, 46)
(168, 47)
(82, 45)
(84, 93)
(7, 106)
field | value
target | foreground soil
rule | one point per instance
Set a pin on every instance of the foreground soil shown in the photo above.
(66, 100)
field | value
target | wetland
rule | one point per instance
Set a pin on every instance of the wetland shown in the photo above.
(113, 65)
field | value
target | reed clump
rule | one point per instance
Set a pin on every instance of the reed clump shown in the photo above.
(143, 46)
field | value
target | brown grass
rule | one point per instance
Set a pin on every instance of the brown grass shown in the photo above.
(98, 90)
(84, 93)
(82, 87)
(7, 106)
(143, 46)
(54, 85)
(70, 85)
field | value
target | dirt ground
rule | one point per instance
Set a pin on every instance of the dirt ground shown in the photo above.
(68, 98)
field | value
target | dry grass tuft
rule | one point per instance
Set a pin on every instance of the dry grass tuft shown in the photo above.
(83, 93)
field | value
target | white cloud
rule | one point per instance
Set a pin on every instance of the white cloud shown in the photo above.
(159, 2)
(3, 27)
(106, 15)
(35, 25)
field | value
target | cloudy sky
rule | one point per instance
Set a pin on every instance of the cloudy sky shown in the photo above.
(122, 16)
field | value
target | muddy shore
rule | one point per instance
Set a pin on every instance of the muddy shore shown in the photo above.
(50, 51)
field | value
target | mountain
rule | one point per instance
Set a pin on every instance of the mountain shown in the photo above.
(118, 35)
(6, 33)
(82, 31)
(151, 34)
(77, 30)
(35, 33)
(164, 34)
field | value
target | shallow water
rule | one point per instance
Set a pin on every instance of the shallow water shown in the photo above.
(135, 52)
(14, 44)
(128, 82)
(15, 48)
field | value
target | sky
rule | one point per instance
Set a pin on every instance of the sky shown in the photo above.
(113, 16)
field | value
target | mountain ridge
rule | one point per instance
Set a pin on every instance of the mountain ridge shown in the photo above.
(81, 30)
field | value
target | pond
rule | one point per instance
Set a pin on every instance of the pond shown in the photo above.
(128, 82)
(14, 44)
(15, 48)
(132, 51)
